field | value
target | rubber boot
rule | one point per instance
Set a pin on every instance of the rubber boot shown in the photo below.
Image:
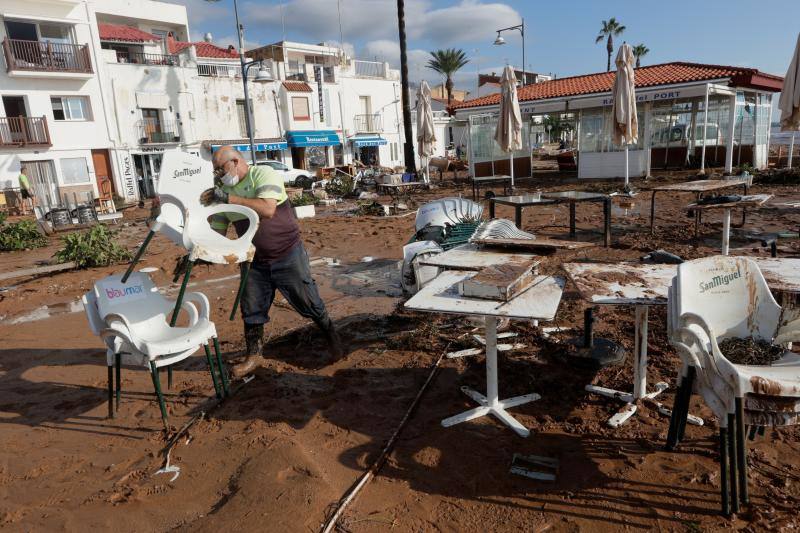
(335, 346)
(254, 341)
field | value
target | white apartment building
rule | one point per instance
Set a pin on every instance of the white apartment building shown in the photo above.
(335, 109)
(53, 116)
(96, 91)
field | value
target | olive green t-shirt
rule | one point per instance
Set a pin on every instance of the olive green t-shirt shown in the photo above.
(24, 183)
(275, 236)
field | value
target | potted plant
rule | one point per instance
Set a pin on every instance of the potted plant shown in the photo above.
(304, 205)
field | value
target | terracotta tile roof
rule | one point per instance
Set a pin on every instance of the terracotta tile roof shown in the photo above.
(119, 32)
(203, 48)
(649, 76)
(297, 87)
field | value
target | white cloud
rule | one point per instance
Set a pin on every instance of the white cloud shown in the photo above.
(464, 21)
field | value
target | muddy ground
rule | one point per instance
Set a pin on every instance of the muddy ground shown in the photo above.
(279, 454)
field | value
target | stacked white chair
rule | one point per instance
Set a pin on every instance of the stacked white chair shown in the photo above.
(717, 298)
(184, 220)
(132, 319)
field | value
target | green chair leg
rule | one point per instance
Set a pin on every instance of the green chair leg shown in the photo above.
(118, 364)
(169, 377)
(222, 373)
(213, 371)
(138, 256)
(242, 284)
(110, 391)
(734, 467)
(179, 301)
(157, 387)
(723, 468)
(741, 452)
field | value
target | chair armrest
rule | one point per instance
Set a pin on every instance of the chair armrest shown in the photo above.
(114, 332)
(190, 308)
(202, 302)
(251, 215)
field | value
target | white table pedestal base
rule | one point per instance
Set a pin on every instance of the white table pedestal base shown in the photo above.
(639, 379)
(491, 404)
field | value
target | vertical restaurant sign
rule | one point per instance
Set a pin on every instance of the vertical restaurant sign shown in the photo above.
(127, 172)
(318, 79)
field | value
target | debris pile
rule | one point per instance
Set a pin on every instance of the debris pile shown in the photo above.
(750, 351)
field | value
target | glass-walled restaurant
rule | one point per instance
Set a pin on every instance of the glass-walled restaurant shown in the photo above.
(700, 125)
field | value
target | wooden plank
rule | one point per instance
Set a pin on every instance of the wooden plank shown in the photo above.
(534, 244)
(470, 257)
(700, 185)
(753, 200)
(48, 269)
(540, 302)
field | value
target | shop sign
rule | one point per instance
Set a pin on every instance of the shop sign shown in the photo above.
(129, 181)
(318, 79)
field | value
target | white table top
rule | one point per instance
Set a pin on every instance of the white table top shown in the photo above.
(644, 284)
(470, 257)
(441, 295)
(496, 177)
(701, 185)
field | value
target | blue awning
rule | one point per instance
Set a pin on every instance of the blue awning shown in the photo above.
(368, 140)
(260, 147)
(312, 138)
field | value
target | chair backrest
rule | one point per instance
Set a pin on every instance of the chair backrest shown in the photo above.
(92, 314)
(731, 295)
(184, 176)
(137, 300)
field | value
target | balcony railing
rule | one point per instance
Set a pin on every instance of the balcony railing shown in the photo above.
(24, 131)
(151, 131)
(140, 58)
(368, 123)
(214, 70)
(46, 56)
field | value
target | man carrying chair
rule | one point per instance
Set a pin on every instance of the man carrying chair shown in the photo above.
(280, 262)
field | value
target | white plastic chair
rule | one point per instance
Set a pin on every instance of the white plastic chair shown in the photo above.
(716, 298)
(184, 220)
(132, 319)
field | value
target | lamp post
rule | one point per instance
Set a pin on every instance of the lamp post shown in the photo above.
(500, 41)
(263, 75)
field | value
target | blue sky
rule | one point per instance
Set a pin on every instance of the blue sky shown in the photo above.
(559, 35)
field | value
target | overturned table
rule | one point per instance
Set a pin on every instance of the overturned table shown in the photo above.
(644, 285)
(539, 302)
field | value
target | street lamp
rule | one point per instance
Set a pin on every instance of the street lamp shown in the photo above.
(262, 75)
(500, 41)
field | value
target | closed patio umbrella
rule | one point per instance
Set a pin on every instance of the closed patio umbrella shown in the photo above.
(789, 104)
(624, 123)
(509, 126)
(426, 135)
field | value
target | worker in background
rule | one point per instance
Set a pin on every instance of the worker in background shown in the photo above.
(25, 191)
(280, 262)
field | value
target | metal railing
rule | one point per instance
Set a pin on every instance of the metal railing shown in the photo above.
(152, 131)
(298, 75)
(369, 69)
(46, 56)
(140, 58)
(24, 131)
(368, 123)
(215, 70)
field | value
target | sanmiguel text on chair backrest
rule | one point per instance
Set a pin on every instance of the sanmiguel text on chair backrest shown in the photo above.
(184, 176)
(730, 293)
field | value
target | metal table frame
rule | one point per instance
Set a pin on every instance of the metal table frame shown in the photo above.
(698, 187)
(489, 180)
(756, 200)
(547, 199)
(400, 191)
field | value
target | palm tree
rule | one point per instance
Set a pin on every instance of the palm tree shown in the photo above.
(639, 51)
(448, 62)
(408, 146)
(611, 28)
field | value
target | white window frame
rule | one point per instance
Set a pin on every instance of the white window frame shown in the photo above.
(307, 116)
(67, 111)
